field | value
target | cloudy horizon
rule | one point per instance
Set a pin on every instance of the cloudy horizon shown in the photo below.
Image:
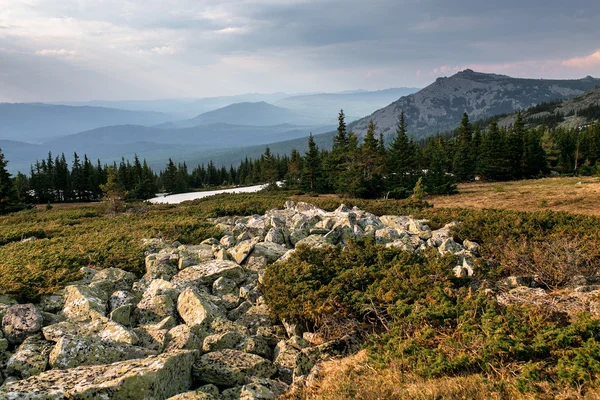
(79, 50)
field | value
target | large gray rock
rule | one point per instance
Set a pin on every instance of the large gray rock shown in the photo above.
(82, 302)
(71, 352)
(158, 302)
(153, 378)
(206, 273)
(112, 279)
(240, 251)
(271, 251)
(197, 309)
(30, 358)
(161, 266)
(231, 367)
(181, 337)
(20, 321)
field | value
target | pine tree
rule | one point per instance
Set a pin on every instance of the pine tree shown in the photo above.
(492, 164)
(463, 166)
(401, 162)
(114, 191)
(514, 147)
(8, 194)
(294, 169)
(268, 173)
(312, 173)
(534, 158)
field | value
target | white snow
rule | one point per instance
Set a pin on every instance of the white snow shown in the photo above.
(178, 198)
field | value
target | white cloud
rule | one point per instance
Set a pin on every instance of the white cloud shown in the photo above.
(591, 61)
(56, 52)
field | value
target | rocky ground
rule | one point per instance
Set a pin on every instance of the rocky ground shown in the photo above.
(195, 326)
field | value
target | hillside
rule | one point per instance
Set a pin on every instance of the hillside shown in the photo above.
(254, 114)
(194, 145)
(37, 122)
(439, 106)
(569, 113)
(355, 104)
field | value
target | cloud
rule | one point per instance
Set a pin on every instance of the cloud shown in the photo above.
(164, 50)
(56, 52)
(591, 61)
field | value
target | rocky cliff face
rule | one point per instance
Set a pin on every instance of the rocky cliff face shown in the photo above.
(439, 106)
(195, 326)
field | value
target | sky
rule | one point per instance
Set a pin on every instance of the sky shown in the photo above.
(77, 50)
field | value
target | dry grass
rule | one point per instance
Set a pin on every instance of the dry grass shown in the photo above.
(355, 378)
(580, 195)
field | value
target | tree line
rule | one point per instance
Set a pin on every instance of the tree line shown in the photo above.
(368, 168)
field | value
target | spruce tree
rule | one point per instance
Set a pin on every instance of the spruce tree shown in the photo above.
(312, 173)
(462, 165)
(8, 194)
(401, 162)
(514, 147)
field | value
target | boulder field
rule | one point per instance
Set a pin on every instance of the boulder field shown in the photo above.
(195, 326)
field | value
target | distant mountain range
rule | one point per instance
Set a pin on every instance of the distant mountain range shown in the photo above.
(38, 122)
(254, 114)
(231, 132)
(439, 106)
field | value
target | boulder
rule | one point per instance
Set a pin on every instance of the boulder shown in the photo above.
(112, 331)
(52, 303)
(181, 337)
(271, 251)
(158, 302)
(227, 290)
(161, 266)
(290, 362)
(71, 352)
(206, 273)
(158, 377)
(120, 298)
(206, 392)
(30, 358)
(231, 367)
(82, 302)
(277, 236)
(21, 321)
(197, 309)
(112, 279)
(123, 315)
(258, 345)
(227, 340)
(240, 251)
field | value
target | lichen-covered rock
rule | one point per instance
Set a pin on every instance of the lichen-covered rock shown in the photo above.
(241, 250)
(256, 317)
(112, 331)
(122, 315)
(161, 266)
(290, 362)
(20, 321)
(206, 392)
(112, 279)
(231, 367)
(157, 303)
(157, 378)
(220, 341)
(71, 352)
(258, 345)
(30, 358)
(83, 302)
(181, 337)
(205, 274)
(121, 298)
(197, 309)
(239, 311)
(271, 251)
(52, 303)
(228, 291)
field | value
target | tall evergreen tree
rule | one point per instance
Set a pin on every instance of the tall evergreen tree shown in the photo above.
(463, 166)
(401, 160)
(312, 173)
(8, 194)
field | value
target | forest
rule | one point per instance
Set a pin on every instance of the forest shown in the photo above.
(373, 168)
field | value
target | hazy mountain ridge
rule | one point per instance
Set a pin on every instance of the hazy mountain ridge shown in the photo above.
(439, 106)
(39, 121)
(247, 113)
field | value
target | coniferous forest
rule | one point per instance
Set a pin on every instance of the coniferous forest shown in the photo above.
(371, 168)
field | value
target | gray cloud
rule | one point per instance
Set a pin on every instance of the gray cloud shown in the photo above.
(70, 49)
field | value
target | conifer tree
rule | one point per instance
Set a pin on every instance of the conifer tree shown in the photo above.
(114, 192)
(401, 162)
(8, 194)
(463, 166)
(312, 173)
(268, 169)
(492, 164)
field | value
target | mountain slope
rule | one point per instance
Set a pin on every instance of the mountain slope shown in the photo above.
(38, 121)
(355, 103)
(570, 113)
(254, 114)
(439, 106)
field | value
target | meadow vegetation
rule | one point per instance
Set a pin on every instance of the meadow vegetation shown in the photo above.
(429, 334)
